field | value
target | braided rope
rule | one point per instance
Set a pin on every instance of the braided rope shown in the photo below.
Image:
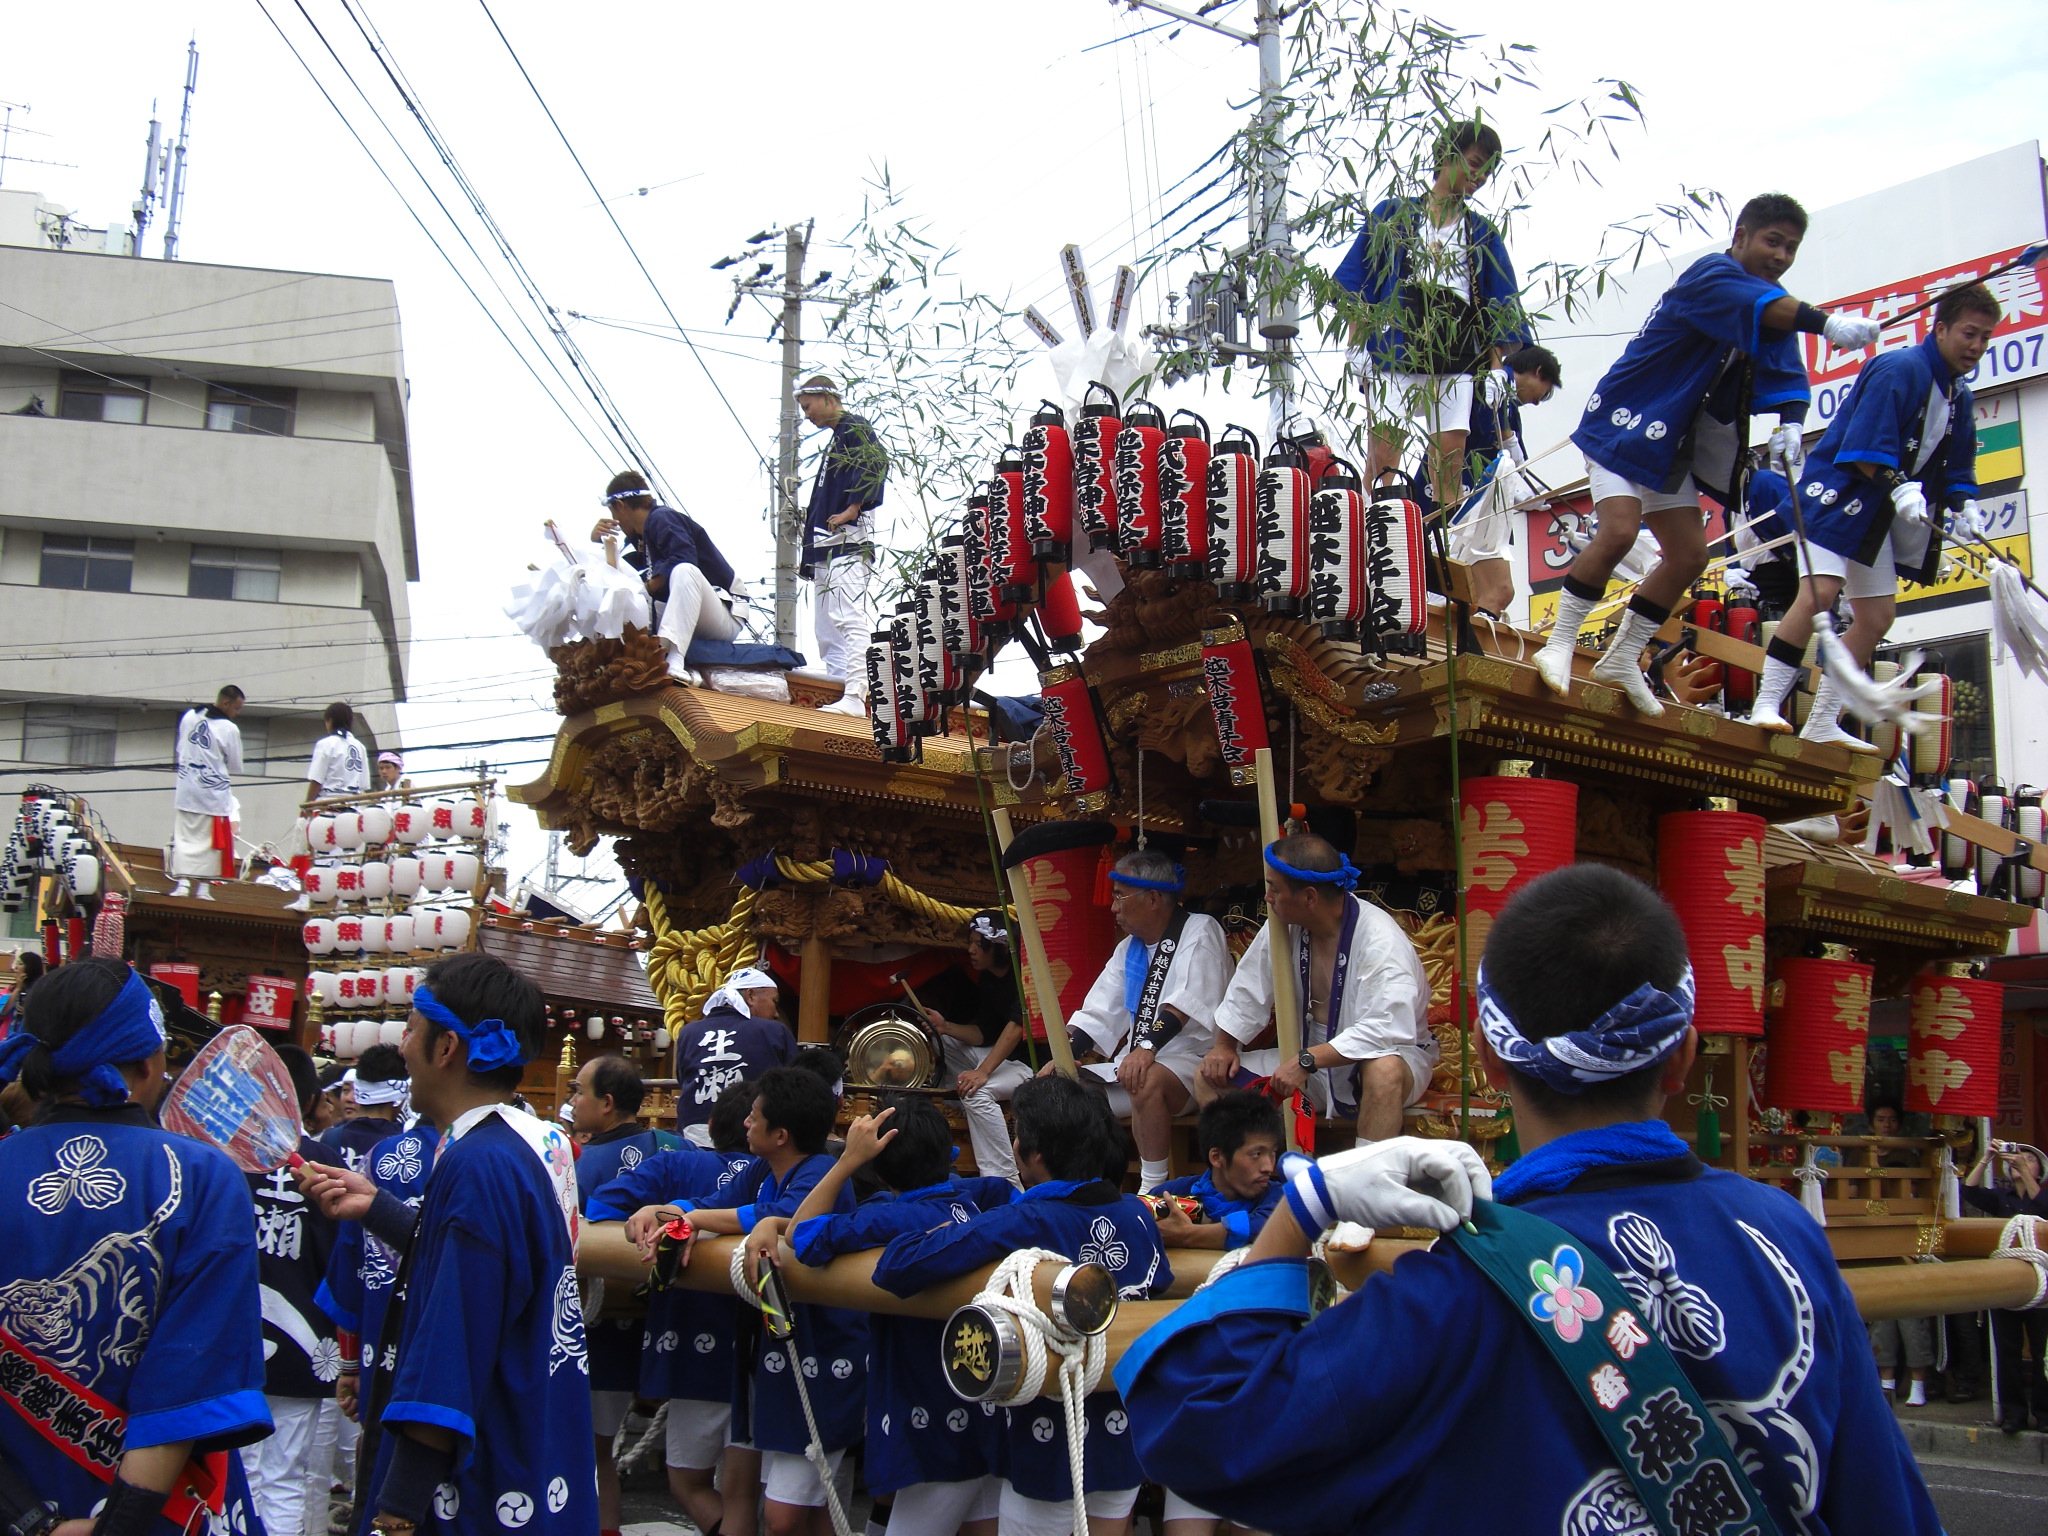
(736, 1272)
(623, 1456)
(905, 896)
(2021, 1238)
(1012, 1289)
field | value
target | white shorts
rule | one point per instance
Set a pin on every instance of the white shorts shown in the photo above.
(1020, 1516)
(940, 1509)
(787, 1478)
(697, 1433)
(1178, 1508)
(608, 1411)
(1880, 578)
(1184, 1073)
(1420, 1070)
(1604, 483)
(1435, 402)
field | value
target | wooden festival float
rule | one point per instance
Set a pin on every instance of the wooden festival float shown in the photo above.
(1268, 641)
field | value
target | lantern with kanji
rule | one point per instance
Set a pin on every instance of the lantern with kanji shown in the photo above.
(1048, 454)
(1184, 497)
(1234, 516)
(962, 630)
(1137, 484)
(938, 672)
(1284, 494)
(913, 704)
(1513, 826)
(1397, 616)
(1012, 569)
(1819, 1029)
(1059, 860)
(892, 732)
(1077, 735)
(1338, 587)
(1231, 674)
(1094, 440)
(1710, 868)
(1953, 1043)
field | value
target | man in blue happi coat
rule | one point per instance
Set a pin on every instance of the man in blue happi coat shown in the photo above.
(686, 1351)
(839, 536)
(1671, 418)
(740, 1036)
(1066, 1140)
(378, 1083)
(686, 577)
(483, 1416)
(1903, 444)
(786, 1131)
(1241, 1138)
(931, 1456)
(1388, 1409)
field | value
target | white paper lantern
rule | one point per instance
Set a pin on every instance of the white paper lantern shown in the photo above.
(82, 874)
(320, 834)
(391, 1031)
(348, 882)
(462, 871)
(318, 933)
(398, 933)
(348, 830)
(399, 982)
(327, 987)
(362, 1034)
(469, 818)
(319, 883)
(376, 881)
(594, 1028)
(374, 940)
(327, 1040)
(361, 989)
(410, 824)
(438, 870)
(376, 824)
(454, 928)
(405, 875)
(661, 1037)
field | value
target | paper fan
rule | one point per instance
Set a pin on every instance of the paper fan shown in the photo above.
(237, 1096)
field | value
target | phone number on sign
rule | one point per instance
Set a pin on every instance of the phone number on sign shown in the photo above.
(2009, 359)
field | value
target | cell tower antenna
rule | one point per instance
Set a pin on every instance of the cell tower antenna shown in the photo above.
(9, 128)
(152, 179)
(176, 204)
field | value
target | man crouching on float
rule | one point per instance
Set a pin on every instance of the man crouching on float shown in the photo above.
(1627, 1339)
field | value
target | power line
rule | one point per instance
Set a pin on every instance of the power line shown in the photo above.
(625, 238)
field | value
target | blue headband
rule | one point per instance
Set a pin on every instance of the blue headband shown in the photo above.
(130, 1028)
(1178, 883)
(492, 1043)
(1637, 1032)
(1344, 876)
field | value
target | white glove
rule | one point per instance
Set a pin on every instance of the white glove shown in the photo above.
(1970, 522)
(1408, 1181)
(1788, 451)
(1910, 502)
(1495, 385)
(1850, 333)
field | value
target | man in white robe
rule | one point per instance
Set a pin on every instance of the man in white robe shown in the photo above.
(1373, 1052)
(1152, 1011)
(209, 750)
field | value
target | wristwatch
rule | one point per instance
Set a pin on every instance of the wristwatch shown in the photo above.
(1307, 1062)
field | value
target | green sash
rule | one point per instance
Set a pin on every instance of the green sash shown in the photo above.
(1645, 1407)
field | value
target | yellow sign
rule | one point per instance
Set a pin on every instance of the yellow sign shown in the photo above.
(1959, 575)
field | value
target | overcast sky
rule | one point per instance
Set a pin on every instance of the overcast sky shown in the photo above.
(1014, 127)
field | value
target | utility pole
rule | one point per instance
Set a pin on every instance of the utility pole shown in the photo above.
(1269, 252)
(763, 283)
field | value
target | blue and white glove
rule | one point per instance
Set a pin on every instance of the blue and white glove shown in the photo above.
(1407, 1181)
(1910, 502)
(1788, 451)
(1851, 333)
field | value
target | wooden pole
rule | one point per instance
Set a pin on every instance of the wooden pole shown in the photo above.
(1286, 1006)
(1035, 956)
(814, 995)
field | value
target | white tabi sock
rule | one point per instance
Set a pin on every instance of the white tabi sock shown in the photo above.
(1777, 681)
(1917, 1398)
(1635, 633)
(1889, 1383)
(1153, 1172)
(1572, 613)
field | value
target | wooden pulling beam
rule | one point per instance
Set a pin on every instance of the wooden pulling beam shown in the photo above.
(1034, 955)
(1286, 1007)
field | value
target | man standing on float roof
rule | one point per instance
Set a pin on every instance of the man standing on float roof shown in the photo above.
(1671, 418)
(839, 536)
(1364, 997)
(1152, 1010)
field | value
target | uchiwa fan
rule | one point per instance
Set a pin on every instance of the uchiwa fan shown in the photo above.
(237, 1096)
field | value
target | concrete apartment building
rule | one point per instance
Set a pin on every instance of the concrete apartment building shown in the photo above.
(203, 480)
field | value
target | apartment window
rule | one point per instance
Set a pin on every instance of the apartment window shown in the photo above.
(251, 408)
(87, 564)
(72, 734)
(94, 397)
(248, 575)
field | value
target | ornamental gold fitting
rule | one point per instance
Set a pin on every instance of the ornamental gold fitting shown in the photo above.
(1837, 952)
(1515, 768)
(1720, 802)
(1956, 968)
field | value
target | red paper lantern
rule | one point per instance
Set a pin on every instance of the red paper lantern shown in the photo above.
(1818, 1033)
(1060, 612)
(1184, 497)
(1953, 1049)
(1001, 613)
(1095, 508)
(1049, 484)
(1744, 624)
(1011, 567)
(1512, 827)
(1137, 483)
(1234, 516)
(1235, 700)
(1077, 733)
(1398, 616)
(1339, 580)
(1710, 867)
(1058, 859)
(1284, 494)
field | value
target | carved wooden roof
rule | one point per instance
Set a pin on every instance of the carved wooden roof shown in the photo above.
(1841, 892)
(572, 965)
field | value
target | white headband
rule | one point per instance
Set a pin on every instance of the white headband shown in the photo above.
(393, 1092)
(629, 495)
(817, 389)
(740, 982)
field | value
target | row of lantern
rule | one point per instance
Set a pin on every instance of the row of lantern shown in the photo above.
(409, 824)
(405, 875)
(2019, 812)
(46, 840)
(349, 1038)
(399, 933)
(391, 986)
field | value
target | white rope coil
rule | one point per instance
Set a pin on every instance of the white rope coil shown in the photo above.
(1012, 1289)
(2022, 1238)
(814, 1452)
(624, 1457)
